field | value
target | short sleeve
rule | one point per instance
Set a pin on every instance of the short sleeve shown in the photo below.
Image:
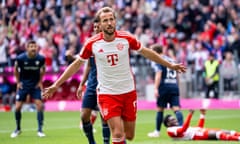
(134, 44)
(86, 51)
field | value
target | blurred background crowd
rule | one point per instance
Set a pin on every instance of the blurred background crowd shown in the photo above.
(189, 30)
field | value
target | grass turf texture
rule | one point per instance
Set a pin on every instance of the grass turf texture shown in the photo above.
(63, 128)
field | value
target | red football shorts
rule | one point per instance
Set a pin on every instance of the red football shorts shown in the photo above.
(203, 134)
(123, 105)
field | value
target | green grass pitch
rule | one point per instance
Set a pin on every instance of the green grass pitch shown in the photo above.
(63, 128)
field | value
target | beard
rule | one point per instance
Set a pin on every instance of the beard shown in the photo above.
(109, 32)
(32, 53)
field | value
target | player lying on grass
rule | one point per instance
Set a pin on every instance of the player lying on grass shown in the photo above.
(186, 132)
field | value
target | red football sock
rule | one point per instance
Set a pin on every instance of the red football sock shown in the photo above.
(228, 137)
(236, 134)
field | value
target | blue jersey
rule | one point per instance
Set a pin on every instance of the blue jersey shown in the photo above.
(29, 69)
(169, 76)
(90, 96)
(168, 88)
(92, 76)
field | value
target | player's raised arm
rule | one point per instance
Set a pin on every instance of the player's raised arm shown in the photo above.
(202, 118)
(71, 69)
(152, 55)
(186, 123)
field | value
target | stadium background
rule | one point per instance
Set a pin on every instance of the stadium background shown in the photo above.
(181, 26)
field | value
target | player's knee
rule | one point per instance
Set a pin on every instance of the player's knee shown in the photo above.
(129, 136)
(85, 117)
(176, 108)
(39, 106)
(160, 109)
(17, 109)
(117, 135)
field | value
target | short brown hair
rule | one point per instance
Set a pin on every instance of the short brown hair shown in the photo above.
(104, 10)
(157, 48)
(31, 42)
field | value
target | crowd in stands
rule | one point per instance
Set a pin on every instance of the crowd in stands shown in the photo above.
(187, 29)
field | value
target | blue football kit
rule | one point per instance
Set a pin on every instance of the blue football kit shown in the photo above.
(168, 88)
(29, 75)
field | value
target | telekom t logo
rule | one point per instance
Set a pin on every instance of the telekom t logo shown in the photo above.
(112, 59)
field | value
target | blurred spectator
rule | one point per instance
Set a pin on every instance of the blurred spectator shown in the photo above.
(58, 18)
(48, 51)
(208, 33)
(215, 45)
(182, 53)
(166, 14)
(3, 52)
(235, 45)
(64, 25)
(14, 47)
(183, 23)
(154, 23)
(171, 52)
(199, 56)
(229, 71)
(221, 15)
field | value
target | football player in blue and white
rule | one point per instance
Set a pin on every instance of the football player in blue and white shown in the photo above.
(166, 91)
(29, 70)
